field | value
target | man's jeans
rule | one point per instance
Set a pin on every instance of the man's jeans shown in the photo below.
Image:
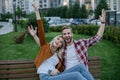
(78, 72)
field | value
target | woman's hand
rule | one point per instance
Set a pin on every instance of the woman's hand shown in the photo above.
(32, 31)
(35, 6)
(53, 72)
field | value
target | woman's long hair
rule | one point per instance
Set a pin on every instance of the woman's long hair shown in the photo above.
(59, 50)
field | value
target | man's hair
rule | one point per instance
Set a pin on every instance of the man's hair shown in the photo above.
(67, 27)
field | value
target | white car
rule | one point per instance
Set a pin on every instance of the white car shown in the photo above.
(96, 22)
(60, 22)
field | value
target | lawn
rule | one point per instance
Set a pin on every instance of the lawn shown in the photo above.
(109, 53)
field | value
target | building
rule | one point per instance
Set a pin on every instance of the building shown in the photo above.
(114, 5)
(46, 4)
(8, 6)
(25, 5)
(2, 6)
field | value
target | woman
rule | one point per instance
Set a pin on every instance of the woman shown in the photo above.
(46, 50)
(47, 57)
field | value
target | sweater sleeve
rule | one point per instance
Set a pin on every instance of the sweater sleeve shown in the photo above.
(41, 33)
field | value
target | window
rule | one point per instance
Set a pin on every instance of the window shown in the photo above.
(40, 6)
(45, 5)
(45, 1)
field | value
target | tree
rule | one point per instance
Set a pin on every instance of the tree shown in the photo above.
(76, 10)
(32, 21)
(6, 16)
(84, 12)
(102, 5)
(69, 12)
(18, 12)
(64, 12)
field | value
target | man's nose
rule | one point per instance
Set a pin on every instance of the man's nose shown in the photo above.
(67, 34)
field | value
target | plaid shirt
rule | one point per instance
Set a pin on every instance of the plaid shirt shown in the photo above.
(81, 47)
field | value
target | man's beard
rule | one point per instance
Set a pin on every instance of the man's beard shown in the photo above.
(69, 40)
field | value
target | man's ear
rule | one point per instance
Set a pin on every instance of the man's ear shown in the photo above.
(72, 34)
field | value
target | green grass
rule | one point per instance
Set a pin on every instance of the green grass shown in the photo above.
(109, 53)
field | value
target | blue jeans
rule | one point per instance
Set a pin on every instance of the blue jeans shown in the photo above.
(78, 72)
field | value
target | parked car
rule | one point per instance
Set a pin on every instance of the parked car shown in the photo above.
(76, 22)
(59, 22)
(96, 22)
(85, 21)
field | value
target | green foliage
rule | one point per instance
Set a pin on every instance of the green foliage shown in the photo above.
(63, 12)
(74, 11)
(113, 34)
(33, 21)
(56, 29)
(102, 5)
(84, 12)
(6, 16)
(69, 12)
(18, 12)
(23, 23)
(46, 25)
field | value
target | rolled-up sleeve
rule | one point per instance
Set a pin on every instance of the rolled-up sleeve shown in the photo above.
(91, 41)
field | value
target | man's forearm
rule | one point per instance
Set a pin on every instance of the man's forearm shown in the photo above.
(101, 29)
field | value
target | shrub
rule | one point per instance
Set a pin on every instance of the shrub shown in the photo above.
(19, 39)
(23, 23)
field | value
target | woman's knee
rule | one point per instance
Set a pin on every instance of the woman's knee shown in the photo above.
(78, 76)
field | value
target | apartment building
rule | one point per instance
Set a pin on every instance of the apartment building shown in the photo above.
(114, 5)
(8, 6)
(25, 5)
(45, 4)
(2, 6)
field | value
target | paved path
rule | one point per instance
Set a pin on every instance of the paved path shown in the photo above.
(7, 27)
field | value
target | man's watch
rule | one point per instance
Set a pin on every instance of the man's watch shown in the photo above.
(103, 22)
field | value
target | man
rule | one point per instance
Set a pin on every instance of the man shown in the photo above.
(76, 52)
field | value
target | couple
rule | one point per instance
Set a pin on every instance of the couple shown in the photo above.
(63, 53)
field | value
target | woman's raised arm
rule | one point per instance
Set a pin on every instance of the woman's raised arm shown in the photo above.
(41, 33)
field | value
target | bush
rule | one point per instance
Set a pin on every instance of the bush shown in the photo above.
(19, 39)
(23, 23)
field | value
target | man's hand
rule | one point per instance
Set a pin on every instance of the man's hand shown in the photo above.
(53, 72)
(103, 16)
